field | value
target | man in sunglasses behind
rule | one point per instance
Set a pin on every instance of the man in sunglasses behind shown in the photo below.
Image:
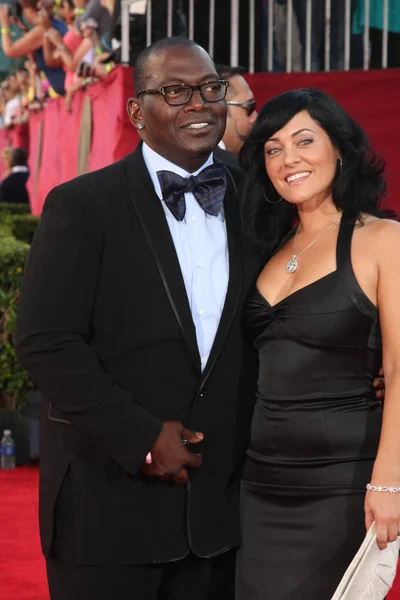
(241, 113)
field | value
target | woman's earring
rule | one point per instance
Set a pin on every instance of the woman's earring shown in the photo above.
(340, 165)
(277, 201)
(140, 126)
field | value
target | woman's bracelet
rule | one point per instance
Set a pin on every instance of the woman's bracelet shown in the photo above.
(382, 488)
(5, 30)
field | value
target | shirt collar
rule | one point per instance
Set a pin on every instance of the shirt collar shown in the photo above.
(20, 169)
(155, 162)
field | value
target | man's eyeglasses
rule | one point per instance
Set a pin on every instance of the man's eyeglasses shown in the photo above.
(181, 93)
(249, 106)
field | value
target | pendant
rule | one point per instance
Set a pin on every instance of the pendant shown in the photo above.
(292, 265)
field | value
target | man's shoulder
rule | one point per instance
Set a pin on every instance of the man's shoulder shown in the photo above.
(106, 176)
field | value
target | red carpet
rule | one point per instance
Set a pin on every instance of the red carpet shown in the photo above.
(22, 571)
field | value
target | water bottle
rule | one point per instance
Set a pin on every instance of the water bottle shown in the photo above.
(7, 451)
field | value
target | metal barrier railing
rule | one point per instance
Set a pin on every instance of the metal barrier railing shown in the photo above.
(145, 6)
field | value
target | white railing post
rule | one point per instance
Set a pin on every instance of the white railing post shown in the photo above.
(289, 36)
(366, 34)
(211, 30)
(234, 33)
(270, 41)
(148, 23)
(347, 33)
(328, 12)
(252, 35)
(191, 19)
(125, 31)
(385, 34)
(170, 15)
(308, 34)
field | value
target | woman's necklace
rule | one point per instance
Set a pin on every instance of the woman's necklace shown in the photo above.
(293, 264)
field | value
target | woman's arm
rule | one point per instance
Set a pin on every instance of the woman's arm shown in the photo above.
(72, 61)
(384, 507)
(30, 42)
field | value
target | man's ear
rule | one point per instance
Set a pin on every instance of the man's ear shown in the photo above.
(135, 113)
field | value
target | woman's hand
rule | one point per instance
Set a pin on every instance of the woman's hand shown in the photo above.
(54, 36)
(384, 509)
(18, 23)
(4, 15)
(30, 66)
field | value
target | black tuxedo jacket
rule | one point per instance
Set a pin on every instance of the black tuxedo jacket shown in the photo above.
(106, 332)
(228, 158)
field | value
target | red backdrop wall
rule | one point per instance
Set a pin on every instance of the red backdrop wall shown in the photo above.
(371, 97)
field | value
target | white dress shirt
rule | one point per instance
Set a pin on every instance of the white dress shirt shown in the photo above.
(202, 248)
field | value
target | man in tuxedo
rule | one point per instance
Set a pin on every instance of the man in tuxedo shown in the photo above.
(130, 324)
(13, 187)
(241, 114)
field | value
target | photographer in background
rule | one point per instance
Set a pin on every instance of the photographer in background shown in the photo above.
(13, 187)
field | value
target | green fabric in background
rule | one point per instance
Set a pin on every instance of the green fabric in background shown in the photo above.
(376, 16)
(8, 64)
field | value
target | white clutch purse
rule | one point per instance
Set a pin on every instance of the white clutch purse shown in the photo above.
(371, 572)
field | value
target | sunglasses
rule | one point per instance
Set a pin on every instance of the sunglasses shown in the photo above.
(249, 106)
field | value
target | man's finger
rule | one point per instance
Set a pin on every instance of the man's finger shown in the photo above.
(194, 460)
(379, 383)
(182, 477)
(193, 437)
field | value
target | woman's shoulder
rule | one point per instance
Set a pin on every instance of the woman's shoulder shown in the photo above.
(377, 224)
(380, 234)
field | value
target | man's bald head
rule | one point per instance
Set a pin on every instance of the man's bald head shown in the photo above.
(141, 73)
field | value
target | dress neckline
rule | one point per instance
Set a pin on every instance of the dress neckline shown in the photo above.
(343, 263)
(305, 287)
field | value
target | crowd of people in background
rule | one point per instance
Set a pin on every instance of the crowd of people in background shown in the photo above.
(58, 47)
(62, 46)
(66, 46)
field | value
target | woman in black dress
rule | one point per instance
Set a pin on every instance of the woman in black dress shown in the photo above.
(324, 308)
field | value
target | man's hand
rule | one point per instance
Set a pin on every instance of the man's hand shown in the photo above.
(379, 385)
(170, 455)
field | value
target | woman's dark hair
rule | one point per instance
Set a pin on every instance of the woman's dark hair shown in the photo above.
(358, 185)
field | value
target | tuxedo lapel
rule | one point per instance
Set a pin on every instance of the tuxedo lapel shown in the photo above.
(232, 216)
(151, 215)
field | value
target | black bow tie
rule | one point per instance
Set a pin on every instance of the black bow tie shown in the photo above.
(208, 187)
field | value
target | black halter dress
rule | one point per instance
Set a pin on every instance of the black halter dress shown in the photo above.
(314, 436)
